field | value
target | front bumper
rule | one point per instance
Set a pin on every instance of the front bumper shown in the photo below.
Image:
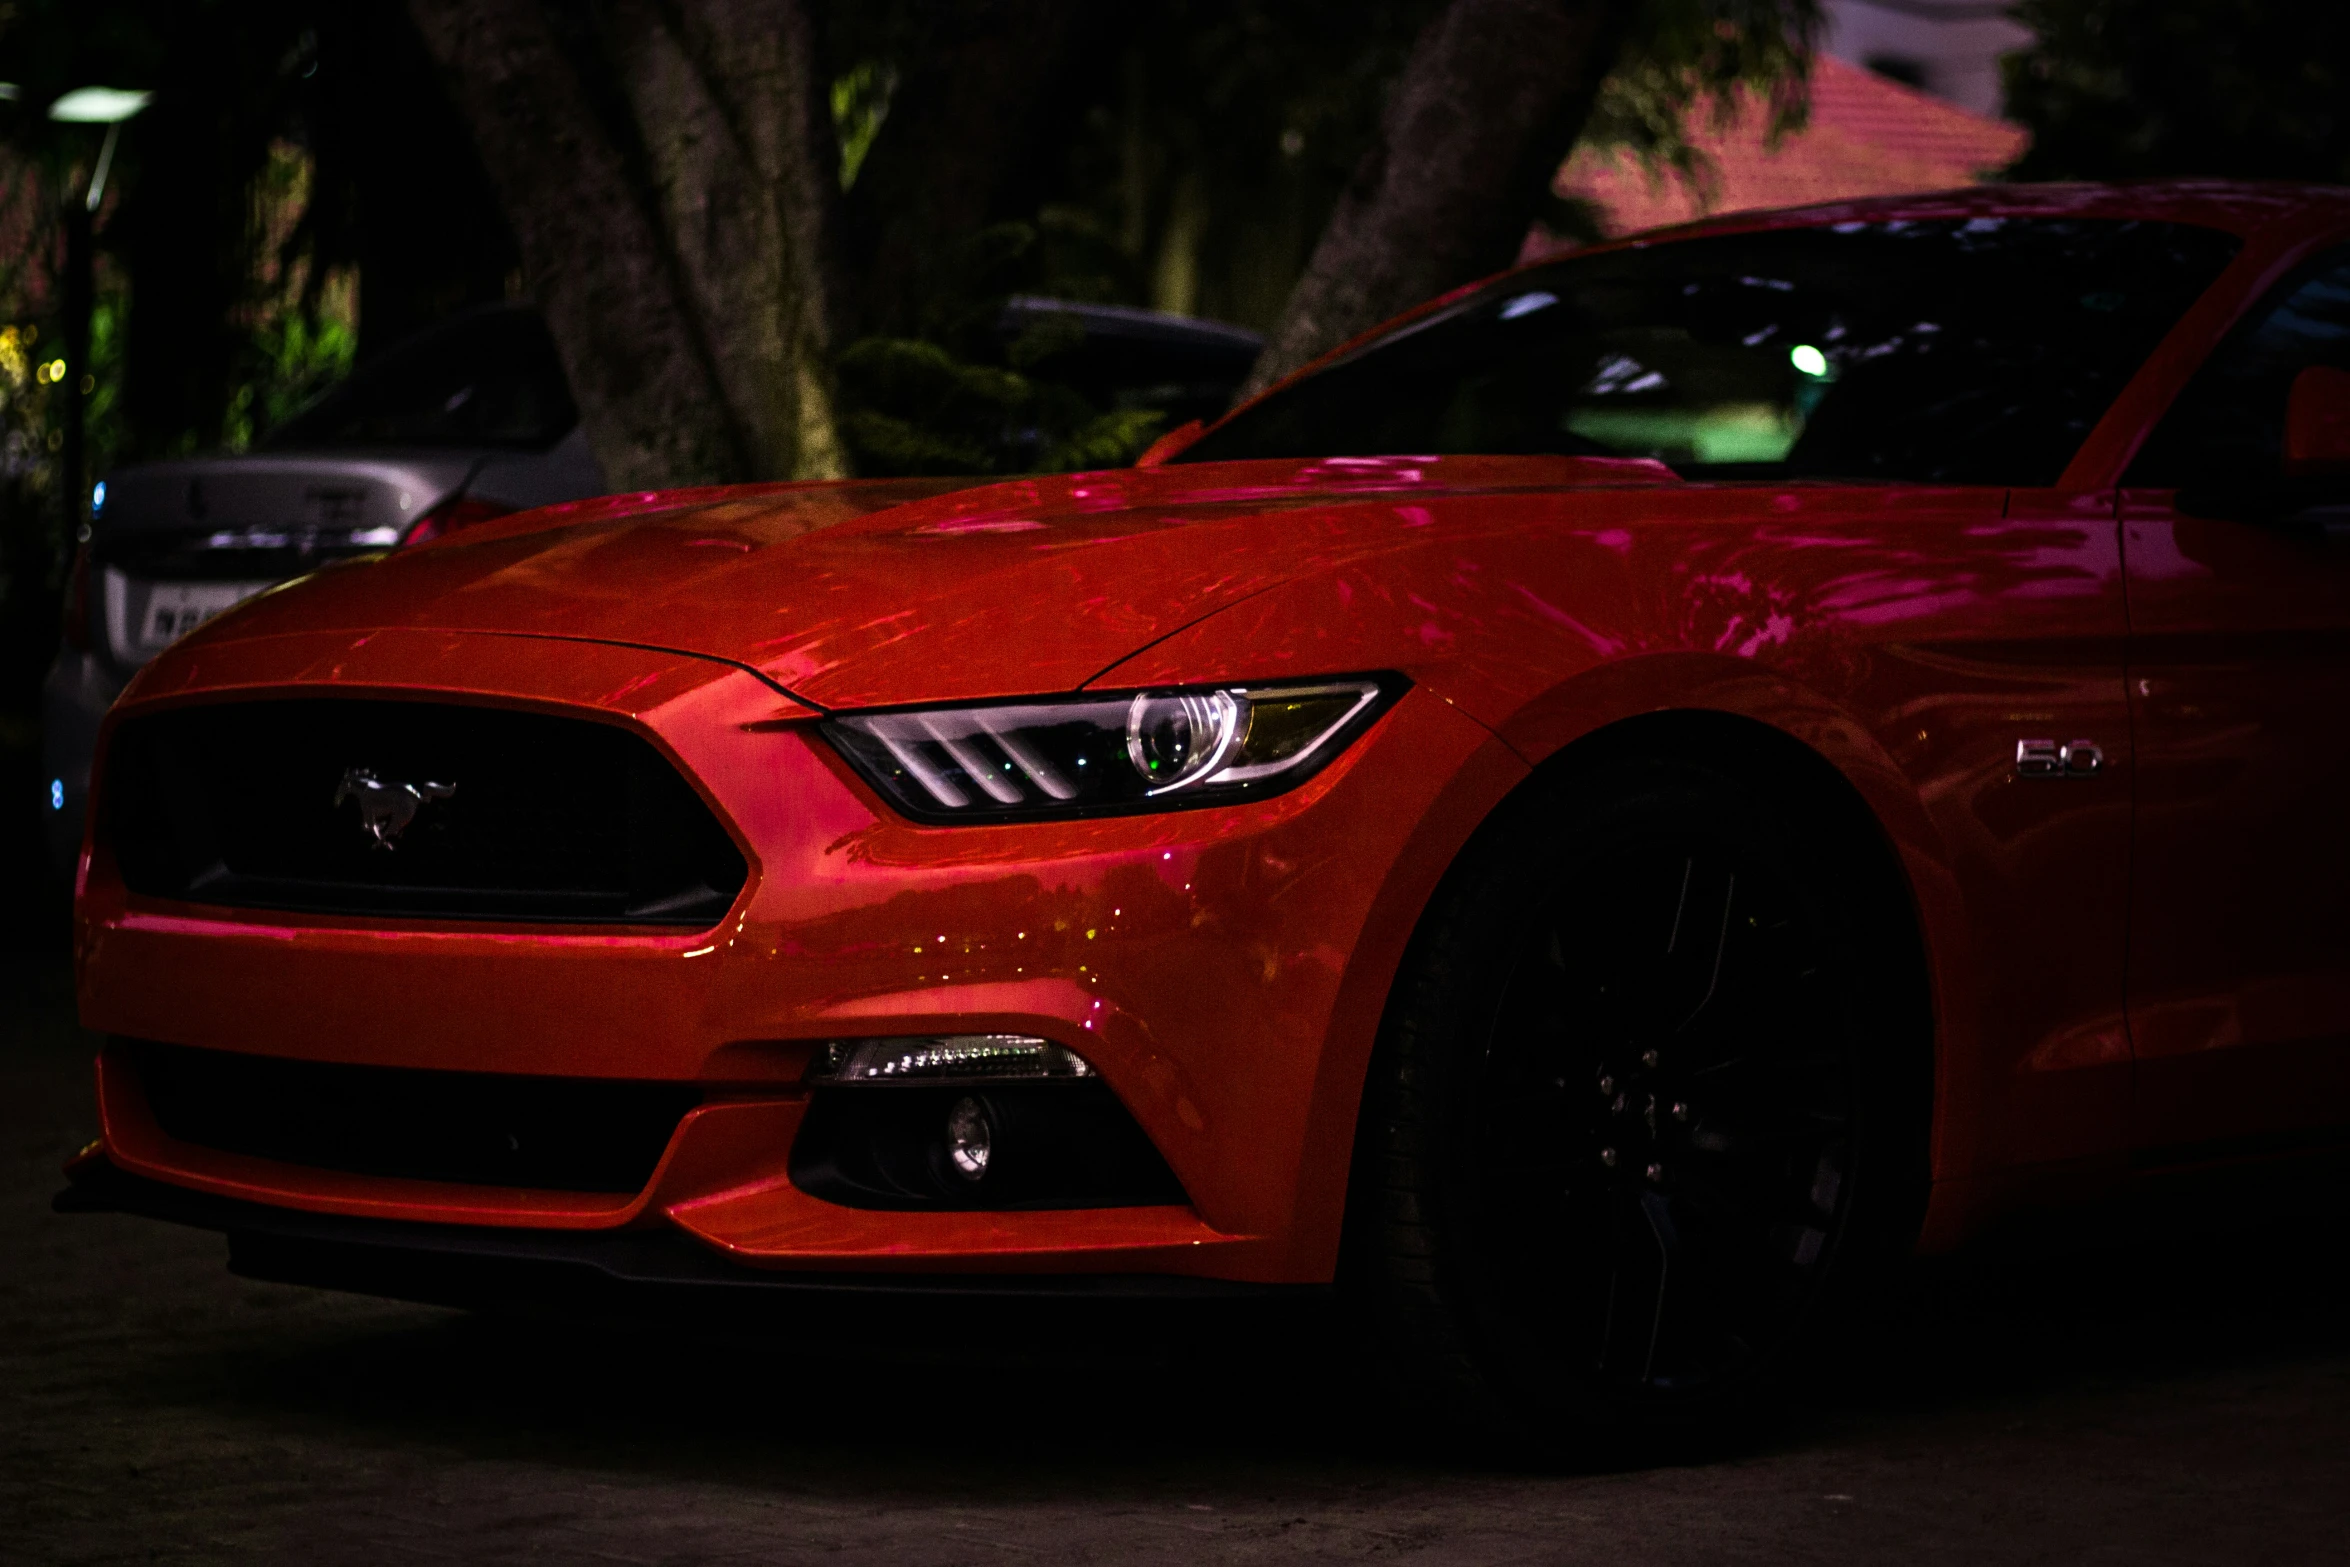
(1223, 969)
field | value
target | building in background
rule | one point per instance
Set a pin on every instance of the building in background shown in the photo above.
(1904, 98)
(1949, 48)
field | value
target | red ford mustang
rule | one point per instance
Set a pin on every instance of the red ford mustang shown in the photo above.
(1591, 815)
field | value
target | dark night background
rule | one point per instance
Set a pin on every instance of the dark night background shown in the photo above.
(312, 182)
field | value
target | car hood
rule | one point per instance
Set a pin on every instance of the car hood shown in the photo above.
(873, 592)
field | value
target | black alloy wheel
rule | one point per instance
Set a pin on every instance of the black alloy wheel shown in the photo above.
(1650, 1095)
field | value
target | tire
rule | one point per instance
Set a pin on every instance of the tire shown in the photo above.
(1648, 1110)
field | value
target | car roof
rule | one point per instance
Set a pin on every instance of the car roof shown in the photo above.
(2288, 210)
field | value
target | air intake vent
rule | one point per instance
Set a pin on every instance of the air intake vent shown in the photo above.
(414, 809)
(477, 1128)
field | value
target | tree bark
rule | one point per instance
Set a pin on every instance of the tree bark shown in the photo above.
(1488, 106)
(669, 173)
(738, 141)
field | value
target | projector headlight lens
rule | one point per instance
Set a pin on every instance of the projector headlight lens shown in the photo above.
(1127, 751)
(970, 1139)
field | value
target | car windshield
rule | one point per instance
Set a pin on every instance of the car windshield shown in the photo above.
(489, 378)
(1967, 351)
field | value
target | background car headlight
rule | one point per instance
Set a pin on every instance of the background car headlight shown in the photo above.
(1124, 751)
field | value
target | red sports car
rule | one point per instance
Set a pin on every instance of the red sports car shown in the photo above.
(1590, 816)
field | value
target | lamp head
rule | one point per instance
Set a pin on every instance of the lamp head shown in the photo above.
(98, 106)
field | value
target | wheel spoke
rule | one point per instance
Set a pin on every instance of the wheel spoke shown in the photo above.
(1709, 943)
(1680, 906)
(1634, 1288)
(1668, 1247)
(1663, 1088)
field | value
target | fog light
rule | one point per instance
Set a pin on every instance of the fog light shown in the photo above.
(970, 1138)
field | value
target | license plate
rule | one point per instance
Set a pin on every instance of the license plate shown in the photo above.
(176, 608)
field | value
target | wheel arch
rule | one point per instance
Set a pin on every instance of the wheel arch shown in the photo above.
(1773, 719)
(1755, 727)
(1755, 751)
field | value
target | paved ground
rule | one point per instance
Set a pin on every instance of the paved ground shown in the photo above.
(2182, 1396)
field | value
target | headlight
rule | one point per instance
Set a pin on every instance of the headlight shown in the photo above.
(1115, 752)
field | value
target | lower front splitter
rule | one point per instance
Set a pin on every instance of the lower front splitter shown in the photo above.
(585, 1272)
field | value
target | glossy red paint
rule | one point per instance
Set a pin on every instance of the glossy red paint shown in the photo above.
(1030, 585)
(1184, 954)
(2317, 423)
(2240, 912)
(1225, 968)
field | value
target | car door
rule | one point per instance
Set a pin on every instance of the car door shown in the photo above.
(2239, 689)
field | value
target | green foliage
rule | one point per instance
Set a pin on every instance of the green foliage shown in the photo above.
(963, 400)
(103, 426)
(2119, 89)
(34, 544)
(1686, 56)
(1111, 440)
(860, 102)
(293, 354)
(29, 437)
(913, 407)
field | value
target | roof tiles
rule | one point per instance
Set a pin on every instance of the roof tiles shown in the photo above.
(1866, 136)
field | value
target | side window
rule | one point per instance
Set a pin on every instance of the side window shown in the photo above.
(2230, 421)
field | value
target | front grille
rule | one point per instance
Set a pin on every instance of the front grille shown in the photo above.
(258, 805)
(477, 1128)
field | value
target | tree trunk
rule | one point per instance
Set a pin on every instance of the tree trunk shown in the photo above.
(669, 173)
(1488, 106)
(737, 132)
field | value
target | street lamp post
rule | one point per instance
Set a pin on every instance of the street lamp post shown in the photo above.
(110, 107)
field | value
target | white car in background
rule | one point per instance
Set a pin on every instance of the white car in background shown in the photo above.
(468, 420)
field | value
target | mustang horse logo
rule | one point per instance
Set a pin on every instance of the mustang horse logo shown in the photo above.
(386, 809)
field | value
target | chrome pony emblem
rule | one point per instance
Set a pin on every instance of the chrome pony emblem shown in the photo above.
(386, 809)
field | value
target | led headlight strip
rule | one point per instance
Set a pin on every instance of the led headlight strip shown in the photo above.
(946, 1058)
(1111, 752)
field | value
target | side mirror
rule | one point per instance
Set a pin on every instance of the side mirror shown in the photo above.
(2317, 423)
(1172, 442)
